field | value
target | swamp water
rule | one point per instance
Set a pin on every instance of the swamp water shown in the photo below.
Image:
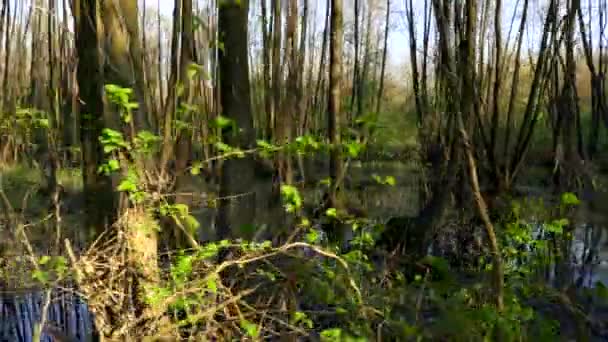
(20, 312)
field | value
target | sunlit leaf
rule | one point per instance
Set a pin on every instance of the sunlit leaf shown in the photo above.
(569, 198)
(250, 328)
(331, 212)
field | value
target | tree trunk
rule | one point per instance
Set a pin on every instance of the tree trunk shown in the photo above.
(266, 44)
(276, 65)
(100, 200)
(356, 73)
(334, 111)
(183, 144)
(170, 106)
(237, 209)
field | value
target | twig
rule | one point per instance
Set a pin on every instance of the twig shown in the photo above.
(421, 296)
(211, 311)
(38, 328)
(6, 205)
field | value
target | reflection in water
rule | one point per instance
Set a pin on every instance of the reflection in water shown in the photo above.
(590, 254)
(19, 314)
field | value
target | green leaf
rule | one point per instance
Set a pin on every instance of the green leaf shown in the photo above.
(331, 212)
(191, 223)
(131, 105)
(325, 181)
(353, 148)
(250, 328)
(196, 168)
(182, 268)
(208, 251)
(303, 318)
(331, 335)
(224, 147)
(312, 236)
(40, 276)
(147, 136)
(42, 123)
(127, 186)
(109, 148)
(569, 198)
(212, 283)
(291, 197)
(44, 260)
(388, 180)
(222, 122)
(113, 165)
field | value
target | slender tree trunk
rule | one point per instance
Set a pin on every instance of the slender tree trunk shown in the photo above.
(482, 211)
(182, 234)
(7, 56)
(288, 110)
(3, 20)
(170, 102)
(334, 110)
(322, 59)
(496, 93)
(413, 58)
(161, 89)
(513, 95)
(384, 53)
(531, 112)
(363, 77)
(276, 65)
(266, 36)
(356, 73)
(302, 83)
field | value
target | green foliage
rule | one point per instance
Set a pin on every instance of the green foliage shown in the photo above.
(196, 70)
(267, 149)
(388, 180)
(222, 122)
(146, 142)
(291, 198)
(354, 297)
(121, 96)
(250, 328)
(569, 199)
(50, 268)
(307, 143)
(180, 213)
(31, 118)
(353, 148)
(112, 140)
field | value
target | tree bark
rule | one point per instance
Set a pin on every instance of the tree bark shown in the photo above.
(334, 111)
(100, 200)
(237, 174)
